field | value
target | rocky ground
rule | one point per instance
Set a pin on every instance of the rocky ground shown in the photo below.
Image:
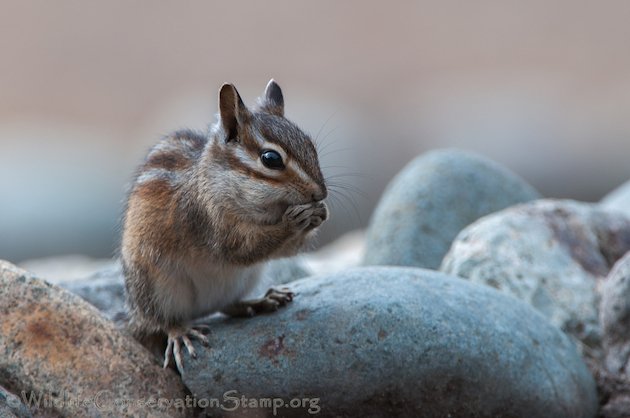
(468, 296)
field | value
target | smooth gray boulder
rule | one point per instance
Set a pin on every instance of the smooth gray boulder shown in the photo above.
(284, 270)
(104, 289)
(549, 253)
(618, 199)
(391, 341)
(433, 198)
(615, 318)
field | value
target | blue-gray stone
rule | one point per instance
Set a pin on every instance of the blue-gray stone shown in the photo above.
(392, 341)
(104, 289)
(433, 198)
(618, 199)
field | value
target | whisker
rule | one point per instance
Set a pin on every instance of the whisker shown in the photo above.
(337, 203)
(349, 174)
(335, 200)
(348, 188)
(339, 178)
(326, 145)
(318, 142)
(350, 201)
(334, 151)
(345, 167)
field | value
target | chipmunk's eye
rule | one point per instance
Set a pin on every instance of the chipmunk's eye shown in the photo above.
(271, 159)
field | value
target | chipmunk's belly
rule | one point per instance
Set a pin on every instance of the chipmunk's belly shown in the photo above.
(215, 287)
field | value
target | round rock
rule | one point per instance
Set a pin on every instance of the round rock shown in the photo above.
(615, 318)
(58, 348)
(105, 289)
(433, 198)
(618, 199)
(392, 341)
(549, 253)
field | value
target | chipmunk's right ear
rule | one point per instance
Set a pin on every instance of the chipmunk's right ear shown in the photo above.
(272, 101)
(232, 110)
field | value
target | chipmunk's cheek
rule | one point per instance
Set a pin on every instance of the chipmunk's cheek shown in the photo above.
(276, 211)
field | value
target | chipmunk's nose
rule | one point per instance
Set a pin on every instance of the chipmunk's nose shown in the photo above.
(320, 194)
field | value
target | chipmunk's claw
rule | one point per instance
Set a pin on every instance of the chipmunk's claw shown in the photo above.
(282, 296)
(178, 338)
(273, 299)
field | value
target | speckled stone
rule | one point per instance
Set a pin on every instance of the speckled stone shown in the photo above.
(615, 318)
(618, 199)
(391, 341)
(433, 198)
(54, 344)
(549, 253)
(11, 406)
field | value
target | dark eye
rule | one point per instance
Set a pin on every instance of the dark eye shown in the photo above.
(271, 159)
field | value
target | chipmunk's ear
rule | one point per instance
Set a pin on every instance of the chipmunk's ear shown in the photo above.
(272, 100)
(232, 110)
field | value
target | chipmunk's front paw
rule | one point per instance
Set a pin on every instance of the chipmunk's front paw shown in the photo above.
(273, 299)
(320, 214)
(178, 337)
(307, 216)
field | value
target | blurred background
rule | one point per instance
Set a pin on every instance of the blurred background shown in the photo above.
(86, 87)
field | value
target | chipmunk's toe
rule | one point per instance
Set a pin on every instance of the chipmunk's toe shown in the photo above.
(179, 338)
(282, 296)
(272, 300)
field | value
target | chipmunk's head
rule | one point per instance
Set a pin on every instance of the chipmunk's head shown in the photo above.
(273, 164)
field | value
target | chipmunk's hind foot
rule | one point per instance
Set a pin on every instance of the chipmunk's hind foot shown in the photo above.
(179, 338)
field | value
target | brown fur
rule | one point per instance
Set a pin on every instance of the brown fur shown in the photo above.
(203, 213)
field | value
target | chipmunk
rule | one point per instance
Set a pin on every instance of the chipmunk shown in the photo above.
(205, 212)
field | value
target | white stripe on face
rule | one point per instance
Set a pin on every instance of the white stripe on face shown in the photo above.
(268, 171)
(288, 162)
(256, 164)
(246, 159)
(300, 172)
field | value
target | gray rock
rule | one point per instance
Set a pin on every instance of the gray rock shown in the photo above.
(615, 318)
(391, 341)
(55, 346)
(66, 268)
(104, 289)
(285, 270)
(343, 253)
(548, 253)
(618, 199)
(431, 200)
(11, 406)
